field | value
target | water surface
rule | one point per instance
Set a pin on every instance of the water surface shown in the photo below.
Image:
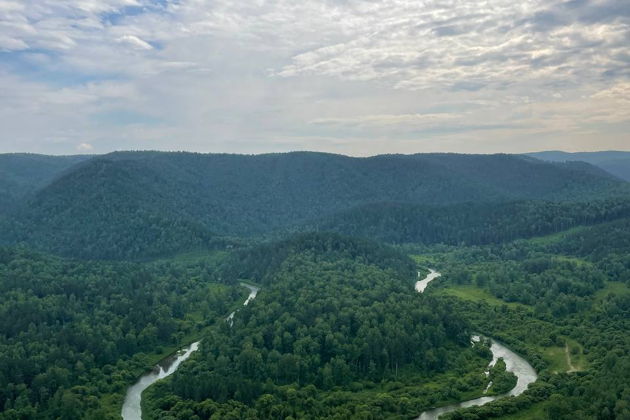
(422, 284)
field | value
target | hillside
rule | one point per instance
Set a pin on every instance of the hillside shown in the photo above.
(140, 204)
(21, 174)
(616, 163)
(469, 223)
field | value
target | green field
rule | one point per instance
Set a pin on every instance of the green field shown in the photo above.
(557, 357)
(475, 294)
(612, 287)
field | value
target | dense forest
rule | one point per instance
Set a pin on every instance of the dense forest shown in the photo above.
(74, 333)
(329, 320)
(614, 162)
(21, 175)
(146, 204)
(470, 223)
(109, 264)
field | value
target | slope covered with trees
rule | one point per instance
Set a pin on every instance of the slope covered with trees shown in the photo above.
(469, 223)
(614, 162)
(22, 174)
(144, 204)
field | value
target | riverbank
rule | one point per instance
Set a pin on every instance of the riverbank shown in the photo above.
(524, 372)
(166, 365)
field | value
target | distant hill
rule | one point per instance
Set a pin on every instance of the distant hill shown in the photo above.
(139, 204)
(616, 163)
(21, 174)
(469, 223)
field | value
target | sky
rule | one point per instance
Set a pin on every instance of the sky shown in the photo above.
(358, 77)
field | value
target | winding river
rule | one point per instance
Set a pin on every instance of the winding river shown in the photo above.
(514, 363)
(131, 409)
(524, 372)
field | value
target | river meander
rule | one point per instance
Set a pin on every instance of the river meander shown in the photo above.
(514, 363)
(132, 407)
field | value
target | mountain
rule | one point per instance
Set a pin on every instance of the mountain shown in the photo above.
(139, 204)
(616, 163)
(21, 174)
(468, 223)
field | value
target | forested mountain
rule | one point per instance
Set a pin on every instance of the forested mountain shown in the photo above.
(616, 163)
(143, 204)
(21, 174)
(469, 223)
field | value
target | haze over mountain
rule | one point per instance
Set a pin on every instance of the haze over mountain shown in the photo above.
(615, 162)
(139, 204)
(23, 173)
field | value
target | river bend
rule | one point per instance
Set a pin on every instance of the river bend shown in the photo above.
(514, 363)
(132, 407)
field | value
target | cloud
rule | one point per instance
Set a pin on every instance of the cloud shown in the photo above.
(243, 76)
(85, 147)
(12, 44)
(135, 42)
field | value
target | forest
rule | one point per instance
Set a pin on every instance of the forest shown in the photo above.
(110, 264)
(142, 205)
(74, 334)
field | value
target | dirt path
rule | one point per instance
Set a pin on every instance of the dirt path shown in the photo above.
(569, 363)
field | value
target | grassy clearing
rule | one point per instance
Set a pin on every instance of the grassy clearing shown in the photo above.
(555, 237)
(575, 260)
(612, 287)
(475, 294)
(558, 359)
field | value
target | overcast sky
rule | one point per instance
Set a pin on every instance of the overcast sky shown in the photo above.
(358, 77)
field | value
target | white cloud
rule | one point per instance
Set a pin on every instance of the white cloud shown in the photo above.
(135, 42)
(12, 44)
(241, 76)
(84, 147)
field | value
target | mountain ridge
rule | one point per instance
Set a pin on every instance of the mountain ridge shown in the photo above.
(181, 200)
(615, 162)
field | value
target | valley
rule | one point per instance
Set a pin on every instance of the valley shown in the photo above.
(370, 276)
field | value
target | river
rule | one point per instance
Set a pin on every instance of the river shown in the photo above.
(514, 363)
(131, 409)
(422, 284)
